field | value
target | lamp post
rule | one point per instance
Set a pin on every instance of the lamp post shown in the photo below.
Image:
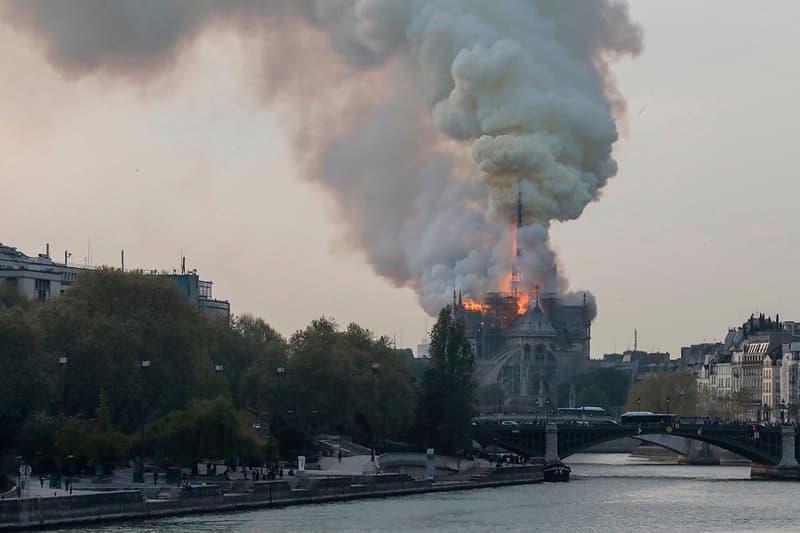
(145, 363)
(667, 404)
(783, 409)
(547, 409)
(375, 368)
(278, 373)
(62, 362)
(639, 404)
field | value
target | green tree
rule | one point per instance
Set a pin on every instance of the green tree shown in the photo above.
(206, 429)
(448, 397)
(680, 387)
(249, 351)
(106, 325)
(346, 381)
(604, 387)
(10, 297)
(25, 386)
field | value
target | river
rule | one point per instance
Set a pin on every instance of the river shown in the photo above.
(608, 492)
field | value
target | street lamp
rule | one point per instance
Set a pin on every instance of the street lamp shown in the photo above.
(667, 404)
(62, 362)
(639, 404)
(145, 363)
(783, 408)
(375, 368)
(547, 409)
(278, 373)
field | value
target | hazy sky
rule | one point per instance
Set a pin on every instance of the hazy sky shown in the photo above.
(694, 233)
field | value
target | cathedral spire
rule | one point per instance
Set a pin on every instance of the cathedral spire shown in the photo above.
(515, 277)
(519, 210)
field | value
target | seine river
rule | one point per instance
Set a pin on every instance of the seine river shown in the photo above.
(607, 493)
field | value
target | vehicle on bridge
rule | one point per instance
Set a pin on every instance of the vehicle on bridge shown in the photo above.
(581, 412)
(646, 417)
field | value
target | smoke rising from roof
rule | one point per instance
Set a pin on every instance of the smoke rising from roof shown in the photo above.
(421, 118)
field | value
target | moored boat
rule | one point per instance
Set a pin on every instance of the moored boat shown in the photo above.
(558, 472)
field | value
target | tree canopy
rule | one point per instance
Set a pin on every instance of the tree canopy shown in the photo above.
(448, 398)
(210, 389)
(679, 387)
(604, 387)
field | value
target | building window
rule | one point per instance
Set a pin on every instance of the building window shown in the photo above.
(42, 289)
(204, 288)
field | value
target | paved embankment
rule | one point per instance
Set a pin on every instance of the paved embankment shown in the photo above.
(34, 513)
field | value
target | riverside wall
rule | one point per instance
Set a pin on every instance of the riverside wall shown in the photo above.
(37, 513)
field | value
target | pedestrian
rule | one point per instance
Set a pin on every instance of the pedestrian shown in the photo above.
(280, 473)
(155, 477)
(339, 455)
(41, 481)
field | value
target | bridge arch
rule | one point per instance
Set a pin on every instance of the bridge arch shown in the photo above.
(763, 446)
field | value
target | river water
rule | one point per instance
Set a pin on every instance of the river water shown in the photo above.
(608, 492)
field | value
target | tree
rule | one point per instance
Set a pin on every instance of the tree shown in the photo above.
(249, 351)
(604, 387)
(206, 429)
(679, 387)
(345, 381)
(25, 386)
(107, 324)
(448, 397)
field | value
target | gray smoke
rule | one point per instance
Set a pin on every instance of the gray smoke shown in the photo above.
(424, 119)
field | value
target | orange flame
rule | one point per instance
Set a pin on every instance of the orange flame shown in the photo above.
(522, 303)
(473, 305)
(507, 286)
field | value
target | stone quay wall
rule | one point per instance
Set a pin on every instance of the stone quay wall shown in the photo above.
(37, 513)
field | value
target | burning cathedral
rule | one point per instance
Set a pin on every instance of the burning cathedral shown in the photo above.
(528, 355)
(527, 345)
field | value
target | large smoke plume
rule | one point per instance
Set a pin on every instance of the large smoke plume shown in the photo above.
(424, 119)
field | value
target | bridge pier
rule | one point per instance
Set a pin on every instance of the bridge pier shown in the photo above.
(701, 453)
(788, 467)
(551, 444)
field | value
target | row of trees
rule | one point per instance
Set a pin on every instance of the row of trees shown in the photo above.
(665, 392)
(121, 365)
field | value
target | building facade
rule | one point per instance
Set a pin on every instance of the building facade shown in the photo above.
(34, 278)
(40, 278)
(754, 371)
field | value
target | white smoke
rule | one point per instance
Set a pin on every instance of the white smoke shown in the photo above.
(424, 119)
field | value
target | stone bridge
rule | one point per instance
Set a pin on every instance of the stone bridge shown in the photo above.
(772, 449)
